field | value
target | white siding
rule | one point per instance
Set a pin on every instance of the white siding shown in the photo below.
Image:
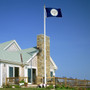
(34, 62)
(12, 47)
(4, 72)
(0, 74)
(52, 68)
(34, 65)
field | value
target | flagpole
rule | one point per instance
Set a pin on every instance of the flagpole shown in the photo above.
(31, 73)
(44, 45)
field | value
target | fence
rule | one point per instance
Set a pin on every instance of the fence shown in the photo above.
(64, 81)
(51, 80)
(71, 82)
(16, 80)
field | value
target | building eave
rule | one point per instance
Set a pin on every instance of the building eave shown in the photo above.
(14, 41)
(53, 63)
(32, 57)
(10, 62)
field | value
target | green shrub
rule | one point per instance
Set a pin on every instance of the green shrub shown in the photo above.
(17, 86)
(57, 86)
(8, 86)
(25, 83)
(50, 87)
(4, 86)
(22, 81)
(62, 87)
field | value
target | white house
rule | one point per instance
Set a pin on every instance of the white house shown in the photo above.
(17, 62)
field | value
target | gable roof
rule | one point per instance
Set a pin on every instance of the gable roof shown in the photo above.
(14, 56)
(31, 51)
(5, 45)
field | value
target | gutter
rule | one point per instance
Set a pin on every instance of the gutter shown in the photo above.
(10, 62)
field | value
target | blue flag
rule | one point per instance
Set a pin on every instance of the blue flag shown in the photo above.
(53, 12)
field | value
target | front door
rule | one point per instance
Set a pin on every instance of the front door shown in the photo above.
(16, 71)
(33, 75)
(16, 75)
(29, 75)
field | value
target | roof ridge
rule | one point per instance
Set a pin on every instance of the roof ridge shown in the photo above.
(3, 45)
(7, 41)
(30, 48)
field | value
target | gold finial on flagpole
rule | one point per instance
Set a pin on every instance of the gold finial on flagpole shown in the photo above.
(44, 5)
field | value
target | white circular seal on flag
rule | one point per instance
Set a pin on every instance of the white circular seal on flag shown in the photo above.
(54, 12)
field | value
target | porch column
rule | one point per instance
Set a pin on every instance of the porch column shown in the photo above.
(22, 71)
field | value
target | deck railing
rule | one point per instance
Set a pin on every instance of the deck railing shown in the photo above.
(16, 80)
(51, 80)
(39, 80)
(71, 82)
(64, 81)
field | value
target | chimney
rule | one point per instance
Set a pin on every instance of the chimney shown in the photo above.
(40, 56)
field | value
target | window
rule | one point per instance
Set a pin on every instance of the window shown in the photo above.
(13, 71)
(10, 71)
(51, 74)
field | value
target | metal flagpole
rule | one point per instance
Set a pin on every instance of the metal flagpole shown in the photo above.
(31, 73)
(44, 45)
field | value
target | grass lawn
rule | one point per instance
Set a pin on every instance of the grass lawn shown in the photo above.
(30, 89)
(37, 89)
(21, 89)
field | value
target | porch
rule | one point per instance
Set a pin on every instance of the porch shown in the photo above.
(37, 81)
(16, 80)
(50, 81)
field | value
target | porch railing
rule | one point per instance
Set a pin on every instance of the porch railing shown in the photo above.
(16, 80)
(50, 80)
(64, 81)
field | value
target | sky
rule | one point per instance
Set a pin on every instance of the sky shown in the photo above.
(23, 20)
